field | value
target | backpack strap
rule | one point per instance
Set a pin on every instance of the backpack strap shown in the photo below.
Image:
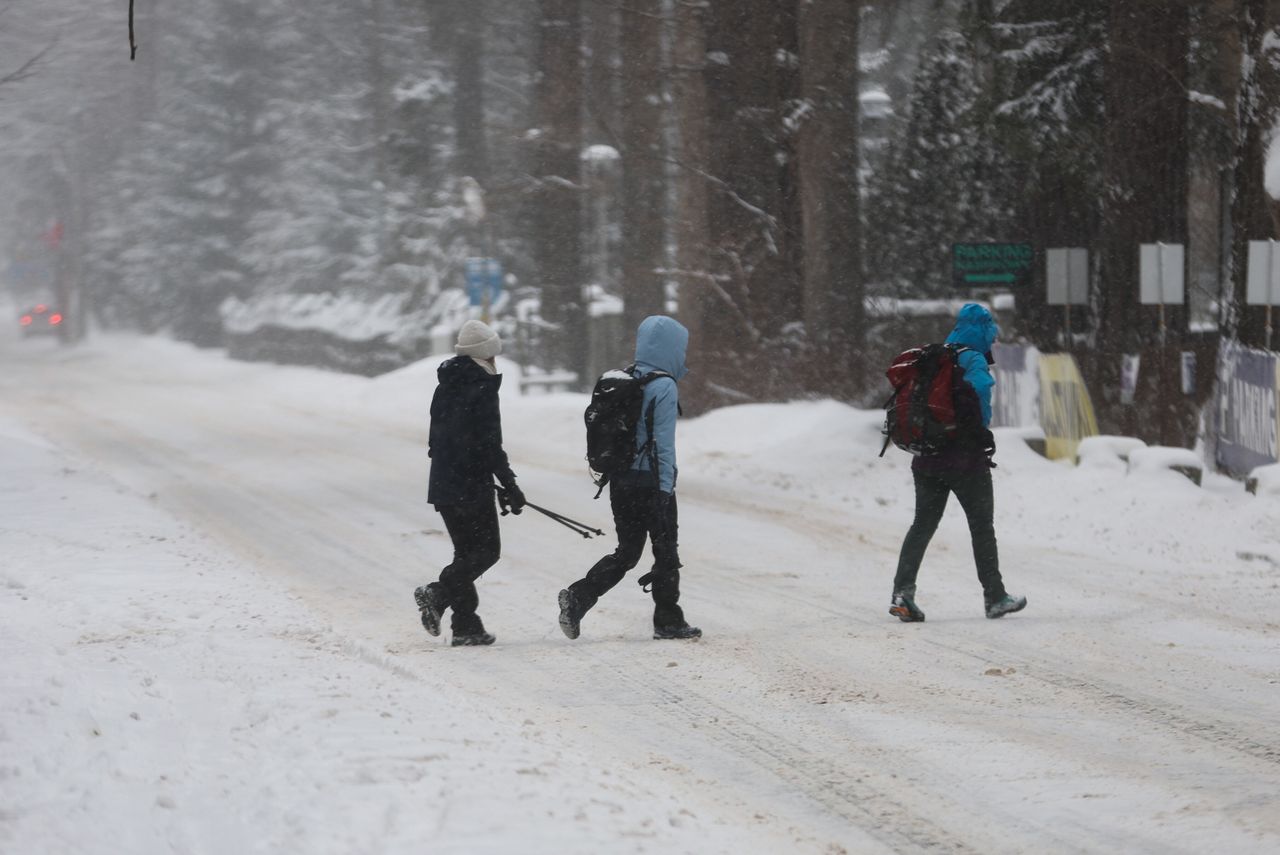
(651, 444)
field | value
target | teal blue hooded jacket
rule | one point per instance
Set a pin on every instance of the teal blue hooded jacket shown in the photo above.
(661, 345)
(977, 330)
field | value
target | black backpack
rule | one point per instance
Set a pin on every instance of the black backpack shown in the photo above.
(920, 415)
(612, 418)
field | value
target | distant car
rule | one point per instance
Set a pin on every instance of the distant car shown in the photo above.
(40, 320)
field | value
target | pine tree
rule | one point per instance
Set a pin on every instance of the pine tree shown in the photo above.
(1051, 124)
(945, 180)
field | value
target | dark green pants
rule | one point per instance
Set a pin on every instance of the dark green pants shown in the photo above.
(973, 489)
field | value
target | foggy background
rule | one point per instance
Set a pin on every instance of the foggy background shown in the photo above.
(304, 182)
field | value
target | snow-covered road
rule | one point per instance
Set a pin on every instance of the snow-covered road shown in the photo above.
(211, 646)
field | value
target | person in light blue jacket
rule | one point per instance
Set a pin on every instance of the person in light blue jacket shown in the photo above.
(643, 499)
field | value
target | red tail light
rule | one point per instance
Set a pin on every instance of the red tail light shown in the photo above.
(26, 320)
(55, 319)
(41, 309)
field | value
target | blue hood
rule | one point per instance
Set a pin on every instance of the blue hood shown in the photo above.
(661, 343)
(975, 328)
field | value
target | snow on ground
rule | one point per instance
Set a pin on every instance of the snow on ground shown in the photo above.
(211, 645)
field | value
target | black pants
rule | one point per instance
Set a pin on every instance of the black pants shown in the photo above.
(634, 500)
(973, 489)
(473, 528)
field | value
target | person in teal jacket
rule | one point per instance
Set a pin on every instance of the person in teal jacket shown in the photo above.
(644, 500)
(963, 468)
(976, 330)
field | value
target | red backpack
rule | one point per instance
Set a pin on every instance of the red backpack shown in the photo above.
(920, 415)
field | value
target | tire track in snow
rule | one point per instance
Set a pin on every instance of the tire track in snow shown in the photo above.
(1148, 710)
(802, 770)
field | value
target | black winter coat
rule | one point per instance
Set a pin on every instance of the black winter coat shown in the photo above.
(465, 443)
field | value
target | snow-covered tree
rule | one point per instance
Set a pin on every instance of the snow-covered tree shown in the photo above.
(946, 179)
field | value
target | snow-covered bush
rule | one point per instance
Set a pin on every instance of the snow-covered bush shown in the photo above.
(1264, 480)
(1107, 452)
(1158, 458)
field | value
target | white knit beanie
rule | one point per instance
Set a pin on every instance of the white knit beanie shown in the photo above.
(478, 340)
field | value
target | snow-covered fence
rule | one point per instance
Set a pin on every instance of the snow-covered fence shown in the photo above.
(344, 332)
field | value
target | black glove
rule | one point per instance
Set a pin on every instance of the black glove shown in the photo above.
(661, 514)
(987, 441)
(510, 498)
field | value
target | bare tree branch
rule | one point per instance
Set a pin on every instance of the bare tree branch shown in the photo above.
(28, 68)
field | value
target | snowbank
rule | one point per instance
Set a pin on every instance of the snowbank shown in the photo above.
(1159, 458)
(1109, 452)
(1265, 480)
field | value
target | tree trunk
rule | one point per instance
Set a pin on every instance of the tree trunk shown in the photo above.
(827, 151)
(1250, 215)
(693, 260)
(472, 155)
(556, 221)
(1146, 166)
(643, 166)
(603, 34)
(748, 212)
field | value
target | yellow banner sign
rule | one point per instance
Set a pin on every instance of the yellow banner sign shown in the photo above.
(1066, 412)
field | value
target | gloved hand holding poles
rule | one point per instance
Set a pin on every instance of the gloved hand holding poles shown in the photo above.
(511, 498)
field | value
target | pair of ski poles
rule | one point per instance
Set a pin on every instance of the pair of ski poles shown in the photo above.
(571, 524)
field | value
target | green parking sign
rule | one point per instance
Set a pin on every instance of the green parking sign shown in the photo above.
(991, 265)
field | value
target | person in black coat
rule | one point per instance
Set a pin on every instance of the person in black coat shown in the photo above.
(465, 446)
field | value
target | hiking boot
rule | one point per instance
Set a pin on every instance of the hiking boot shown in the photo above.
(904, 608)
(570, 617)
(677, 631)
(1006, 605)
(477, 639)
(432, 605)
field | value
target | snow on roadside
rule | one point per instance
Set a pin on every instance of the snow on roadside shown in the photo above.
(157, 695)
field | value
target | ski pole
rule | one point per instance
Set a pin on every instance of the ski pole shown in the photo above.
(585, 532)
(573, 525)
(582, 528)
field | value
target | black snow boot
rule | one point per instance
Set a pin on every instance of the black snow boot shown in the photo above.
(431, 602)
(676, 631)
(476, 639)
(570, 615)
(1006, 605)
(904, 608)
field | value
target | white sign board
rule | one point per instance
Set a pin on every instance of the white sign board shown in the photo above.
(1263, 286)
(1067, 276)
(1129, 366)
(1161, 279)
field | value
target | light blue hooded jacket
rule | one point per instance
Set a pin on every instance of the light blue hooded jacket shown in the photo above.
(976, 329)
(661, 344)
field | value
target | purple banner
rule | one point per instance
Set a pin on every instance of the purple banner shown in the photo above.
(1246, 409)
